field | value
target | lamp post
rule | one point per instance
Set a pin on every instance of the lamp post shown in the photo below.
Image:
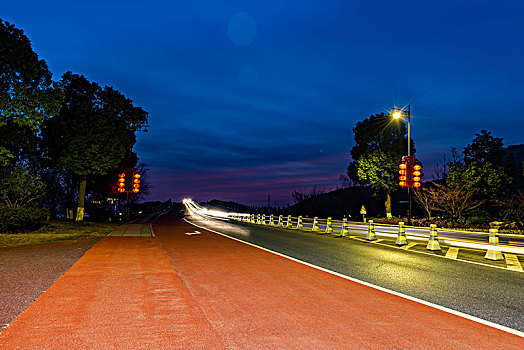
(398, 114)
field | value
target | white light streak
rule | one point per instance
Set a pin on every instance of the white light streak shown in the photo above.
(195, 208)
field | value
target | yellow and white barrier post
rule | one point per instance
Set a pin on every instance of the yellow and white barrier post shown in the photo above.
(271, 222)
(280, 222)
(493, 254)
(263, 219)
(345, 231)
(315, 224)
(288, 223)
(253, 218)
(258, 219)
(401, 238)
(371, 231)
(433, 243)
(329, 227)
(299, 223)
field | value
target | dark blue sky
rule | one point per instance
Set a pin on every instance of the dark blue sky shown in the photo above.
(256, 98)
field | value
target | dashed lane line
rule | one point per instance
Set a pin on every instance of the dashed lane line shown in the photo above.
(452, 253)
(513, 262)
(409, 245)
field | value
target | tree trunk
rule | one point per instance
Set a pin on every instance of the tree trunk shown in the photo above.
(81, 197)
(388, 205)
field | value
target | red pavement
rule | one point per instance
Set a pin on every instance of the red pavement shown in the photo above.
(207, 291)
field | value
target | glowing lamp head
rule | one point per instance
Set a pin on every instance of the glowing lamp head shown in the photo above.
(137, 176)
(417, 167)
(402, 184)
(135, 190)
(121, 190)
(402, 166)
(397, 114)
(416, 184)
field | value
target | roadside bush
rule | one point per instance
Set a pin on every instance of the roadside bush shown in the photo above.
(478, 217)
(20, 192)
(15, 220)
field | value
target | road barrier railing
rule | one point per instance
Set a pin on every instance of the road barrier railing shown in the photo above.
(344, 227)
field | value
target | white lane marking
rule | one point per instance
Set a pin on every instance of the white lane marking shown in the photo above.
(439, 256)
(427, 303)
(513, 262)
(452, 253)
(410, 245)
(193, 233)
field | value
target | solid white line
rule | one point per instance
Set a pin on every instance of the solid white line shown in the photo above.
(427, 303)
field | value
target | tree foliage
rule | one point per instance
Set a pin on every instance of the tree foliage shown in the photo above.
(513, 207)
(380, 143)
(27, 93)
(378, 169)
(93, 131)
(483, 169)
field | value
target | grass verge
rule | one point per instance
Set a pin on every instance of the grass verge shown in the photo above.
(57, 231)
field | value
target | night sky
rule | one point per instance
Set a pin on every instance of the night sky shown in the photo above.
(255, 98)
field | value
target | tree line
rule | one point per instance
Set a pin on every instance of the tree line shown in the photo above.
(483, 182)
(60, 141)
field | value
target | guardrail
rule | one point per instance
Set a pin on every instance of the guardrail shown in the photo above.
(343, 228)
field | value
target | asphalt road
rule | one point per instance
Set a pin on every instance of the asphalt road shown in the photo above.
(485, 292)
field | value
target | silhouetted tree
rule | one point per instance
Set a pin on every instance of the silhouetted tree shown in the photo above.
(27, 93)
(483, 169)
(93, 130)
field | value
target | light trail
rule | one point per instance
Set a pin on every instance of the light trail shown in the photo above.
(197, 209)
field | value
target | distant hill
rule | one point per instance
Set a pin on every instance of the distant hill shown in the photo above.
(345, 202)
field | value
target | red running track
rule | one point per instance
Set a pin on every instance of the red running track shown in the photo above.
(207, 291)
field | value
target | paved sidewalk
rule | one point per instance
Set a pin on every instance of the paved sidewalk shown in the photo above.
(184, 289)
(133, 230)
(122, 294)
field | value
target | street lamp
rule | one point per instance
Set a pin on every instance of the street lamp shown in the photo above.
(398, 114)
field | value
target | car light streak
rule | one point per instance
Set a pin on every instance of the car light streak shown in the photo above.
(197, 209)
